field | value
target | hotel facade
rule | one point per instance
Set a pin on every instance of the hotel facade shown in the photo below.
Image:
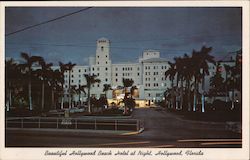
(148, 75)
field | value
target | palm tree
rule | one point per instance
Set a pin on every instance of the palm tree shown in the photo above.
(181, 70)
(106, 88)
(12, 75)
(188, 68)
(73, 90)
(43, 73)
(171, 74)
(227, 70)
(204, 60)
(90, 79)
(62, 70)
(126, 83)
(201, 59)
(231, 82)
(196, 74)
(56, 82)
(78, 90)
(67, 67)
(27, 69)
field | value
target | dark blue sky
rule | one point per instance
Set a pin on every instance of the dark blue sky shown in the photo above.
(173, 31)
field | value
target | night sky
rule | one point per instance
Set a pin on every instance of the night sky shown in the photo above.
(172, 31)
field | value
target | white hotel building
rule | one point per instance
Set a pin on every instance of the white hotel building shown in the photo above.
(148, 75)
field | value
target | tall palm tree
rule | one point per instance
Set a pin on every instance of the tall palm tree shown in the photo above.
(80, 89)
(181, 70)
(188, 68)
(43, 74)
(205, 58)
(227, 71)
(90, 79)
(62, 71)
(201, 59)
(27, 69)
(171, 74)
(67, 67)
(196, 75)
(106, 88)
(126, 83)
(12, 76)
(55, 82)
(73, 90)
(231, 82)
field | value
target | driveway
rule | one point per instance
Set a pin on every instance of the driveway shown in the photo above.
(160, 124)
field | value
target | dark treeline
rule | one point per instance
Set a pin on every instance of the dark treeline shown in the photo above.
(187, 75)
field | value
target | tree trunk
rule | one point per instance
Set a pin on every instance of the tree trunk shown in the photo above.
(52, 99)
(125, 94)
(181, 98)
(30, 98)
(226, 88)
(69, 90)
(89, 107)
(202, 96)
(188, 98)
(195, 94)
(172, 95)
(79, 100)
(232, 107)
(10, 101)
(62, 97)
(62, 102)
(42, 96)
(177, 95)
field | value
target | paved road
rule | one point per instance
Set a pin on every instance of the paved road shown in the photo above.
(164, 125)
(161, 130)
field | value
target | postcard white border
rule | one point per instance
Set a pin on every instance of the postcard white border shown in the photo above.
(210, 153)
